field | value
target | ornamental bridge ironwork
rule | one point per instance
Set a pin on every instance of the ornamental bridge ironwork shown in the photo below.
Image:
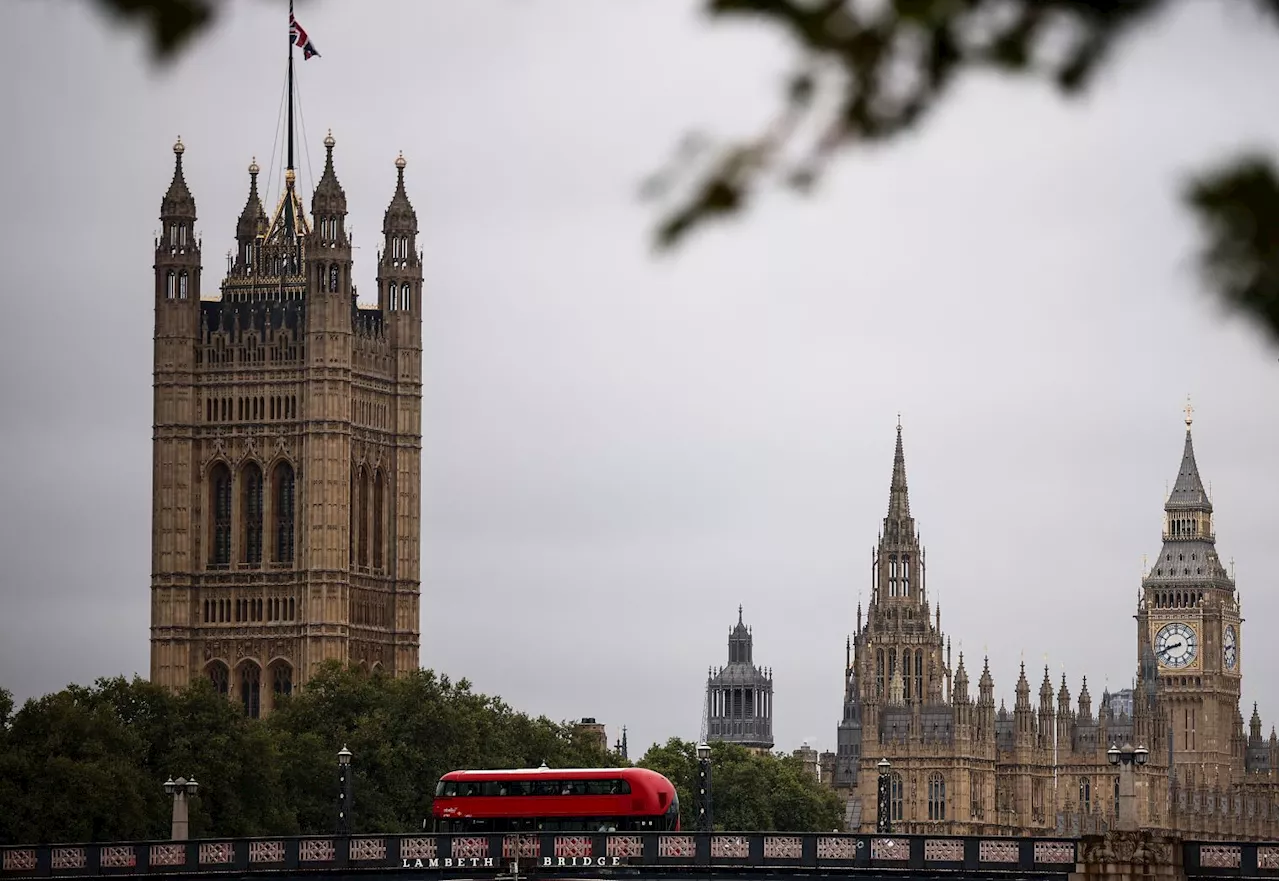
(607, 855)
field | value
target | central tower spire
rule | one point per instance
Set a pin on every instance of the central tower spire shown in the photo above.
(899, 504)
(899, 566)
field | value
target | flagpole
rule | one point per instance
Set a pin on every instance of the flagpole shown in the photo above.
(291, 224)
(291, 41)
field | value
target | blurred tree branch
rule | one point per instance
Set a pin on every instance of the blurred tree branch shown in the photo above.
(870, 71)
(169, 25)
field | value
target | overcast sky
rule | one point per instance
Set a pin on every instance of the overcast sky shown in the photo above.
(617, 449)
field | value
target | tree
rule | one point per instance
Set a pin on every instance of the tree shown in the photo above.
(405, 733)
(87, 764)
(883, 67)
(765, 793)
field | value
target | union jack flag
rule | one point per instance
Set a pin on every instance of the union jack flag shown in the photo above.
(298, 37)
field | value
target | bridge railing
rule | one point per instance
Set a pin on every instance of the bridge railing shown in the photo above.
(776, 853)
(1208, 859)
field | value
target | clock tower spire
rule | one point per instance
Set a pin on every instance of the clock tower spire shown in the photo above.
(1189, 618)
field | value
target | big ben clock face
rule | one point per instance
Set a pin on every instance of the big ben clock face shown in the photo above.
(1229, 657)
(1176, 645)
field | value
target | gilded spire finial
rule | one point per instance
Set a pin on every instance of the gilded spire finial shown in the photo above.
(177, 147)
(400, 163)
(1188, 410)
(329, 141)
(253, 167)
(899, 421)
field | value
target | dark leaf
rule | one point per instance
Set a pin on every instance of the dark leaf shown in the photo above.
(1237, 207)
(169, 24)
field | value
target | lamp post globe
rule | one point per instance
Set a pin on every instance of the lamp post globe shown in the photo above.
(1140, 755)
(1113, 755)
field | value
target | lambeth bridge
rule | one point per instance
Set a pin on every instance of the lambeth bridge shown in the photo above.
(753, 855)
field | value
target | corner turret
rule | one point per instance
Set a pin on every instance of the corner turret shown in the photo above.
(400, 261)
(177, 261)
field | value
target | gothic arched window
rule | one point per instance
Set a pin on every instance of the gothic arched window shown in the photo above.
(282, 484)
(1115, 795)
(920, 674)
(937, 797)
(251, 689)
(1086, 795)
(362, 517)
(182, 285)
(378, 514)
(895, 797)
(404, 296)
(220, 678)
(171, 285)
(220, 510)
(282, 680)
(879, 672)
(251, 513)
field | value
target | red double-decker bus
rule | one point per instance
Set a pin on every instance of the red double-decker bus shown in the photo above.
(556, 800)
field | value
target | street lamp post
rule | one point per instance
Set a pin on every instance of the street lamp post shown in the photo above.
(181, 789)
(884, 822)
(345, 802)
(704, 787)
(1128, 759)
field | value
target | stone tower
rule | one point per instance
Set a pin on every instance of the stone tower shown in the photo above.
(895, 665)
(740, 696)
(287, 445)
(1189, 624)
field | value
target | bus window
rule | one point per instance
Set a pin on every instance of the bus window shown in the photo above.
(450, 788)
(440, 789)
(492, 787)
(543, 787)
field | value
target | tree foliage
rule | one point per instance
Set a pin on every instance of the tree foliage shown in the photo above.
(768, 793)
(870, 71)
(88, 764)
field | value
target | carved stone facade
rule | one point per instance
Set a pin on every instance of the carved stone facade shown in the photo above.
(287, 447)
(960, 766)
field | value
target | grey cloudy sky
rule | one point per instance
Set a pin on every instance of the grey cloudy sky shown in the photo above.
(619, 450)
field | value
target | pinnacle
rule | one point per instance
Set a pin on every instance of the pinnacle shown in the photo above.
(899, 503)
(178, 202)
(400, 216)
